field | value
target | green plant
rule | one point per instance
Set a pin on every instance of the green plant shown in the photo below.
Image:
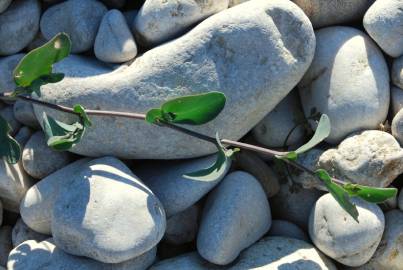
(35, 70)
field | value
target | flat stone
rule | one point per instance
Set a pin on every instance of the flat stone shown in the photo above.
(255, 62)
(78, 18)
(397, 126)
(106, 213)
(383, 22)
(333, 12)
(19, 25)
(24, 113)
(236, 215)
(348, 79)
(339, 236)
(7, 66)
(21, 233)
(396, 99)
(156, 22)
(39, 160)
(114, 42)
(32, 255)
(371, 158)
(287, 229)
(182, 227)
(397, 72)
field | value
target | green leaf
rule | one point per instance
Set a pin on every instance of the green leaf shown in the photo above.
(218, 169)
(194, 109)
(62, 136)
(36, 84)
(321, 133)
(154, 116)
(10, 150)
(370, 194)
(85, 120)
(341, 196)
(38, 62)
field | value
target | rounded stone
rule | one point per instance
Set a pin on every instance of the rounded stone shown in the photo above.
(23, 135)
(348, 79)
(80, 19)
(383, 22)
(275, 127)
(156, 22)
(19, 25)
(106, 213)
(397, 126)
(333, 12)
(255, 62)
(339, 236)
(236, 215)
(287, 229)
(396, 99)
(371, 158)
(24, 113)
(32, 255)
(114, 42)
(21, 233)
(397, 72)
(8, 115)
(182, 227)
(4, 5)
(39, 160)
(7, 66)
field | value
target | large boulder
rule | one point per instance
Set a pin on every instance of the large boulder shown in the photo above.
(254, 53)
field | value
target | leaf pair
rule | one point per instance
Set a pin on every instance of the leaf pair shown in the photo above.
(63, 136)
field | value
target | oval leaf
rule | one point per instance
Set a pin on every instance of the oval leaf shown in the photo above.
(10, 149)
(193, 110)
(370, 194)
(38, 62)
(321, 133)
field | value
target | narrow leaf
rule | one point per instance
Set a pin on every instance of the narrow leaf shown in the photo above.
(194, 109)
(340, 195)
(39, 61)
(10, 150)
(85, 120)
(321, 133)
(370, 194)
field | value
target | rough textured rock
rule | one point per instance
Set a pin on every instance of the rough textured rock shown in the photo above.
(397, 72)
(236, 215)
(255, 62)
(114, 42)
(36, 206)
(21, 233)
(159, 21)
(273, 130)
(182, 227)
(39, 160)
(186, 261)
(32, 255)
(106, 213)
(339, 236)
(19, 25)
(78, 18)
(5, 244)
(287, 229)
(333, 12)
(7, 65)
(383, 22)
(372, 158)
(166, 181)
(282, 253)
(294, 204)
(4, 5)
(24, 113)
(396, 99)
(397, 127)
(348, 79)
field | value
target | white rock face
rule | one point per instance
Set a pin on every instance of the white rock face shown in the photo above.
(236, 215)
(255, 62)
(383, 22)
(158, 21)
(333, 12)
(397, 72)
(396, 99)
(348, 80)
(397, 126)
(114, 42)
(339, 236)
(372, 158)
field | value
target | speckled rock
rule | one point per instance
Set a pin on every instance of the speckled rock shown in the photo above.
(32, 255)
(7, 65)
(397, 126)
(92, 216)
(273, 130)
(339, 236)
(348, 79)
(24, 113)
(372, 158)
(114, 42)
(39, 160)
(396, 99)
(287, 229)
(5, 244)
(175, 192)
(186, 261)
(182, 227)
(333, 12)
(157, 22)
(236, 215)
(21, 233)
(397, 72)
(78, 18)
(19, 25)
(255, 62)
(383, 22)
(4, 5)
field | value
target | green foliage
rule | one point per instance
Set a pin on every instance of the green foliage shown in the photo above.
(191, 110)
(9, 148)
(83, 115)
(37, 64)
(370, 194)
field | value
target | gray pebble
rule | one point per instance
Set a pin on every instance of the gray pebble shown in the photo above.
(182, 227)
(21, 233)
(287, 229)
